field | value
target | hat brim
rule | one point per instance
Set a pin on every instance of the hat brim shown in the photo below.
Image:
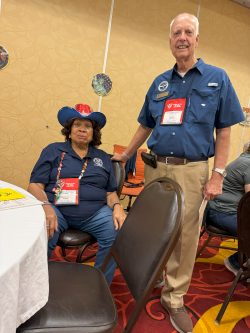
(67, 113)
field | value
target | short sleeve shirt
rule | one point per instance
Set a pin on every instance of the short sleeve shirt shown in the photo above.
(97, 180)
(211, 102)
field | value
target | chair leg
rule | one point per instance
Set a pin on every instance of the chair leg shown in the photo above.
(133, 317)
(228, 297)
(63, 251)
(80, 253)
(203, 246)
(202, 232)
(129, 203)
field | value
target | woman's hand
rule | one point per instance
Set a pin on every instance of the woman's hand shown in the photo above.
(118, 216)
(51, 220)
(37, 189)
(118, 211)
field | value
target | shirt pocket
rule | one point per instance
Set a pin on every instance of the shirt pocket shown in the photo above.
(202, 106)
(157, 105)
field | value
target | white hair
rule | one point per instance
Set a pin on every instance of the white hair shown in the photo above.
(191, 17)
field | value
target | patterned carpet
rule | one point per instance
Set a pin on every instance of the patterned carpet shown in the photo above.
(209, 285)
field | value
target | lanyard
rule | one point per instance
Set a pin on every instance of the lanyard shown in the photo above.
(84, 167)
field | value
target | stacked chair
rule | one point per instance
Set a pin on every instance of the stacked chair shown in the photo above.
(134, 182)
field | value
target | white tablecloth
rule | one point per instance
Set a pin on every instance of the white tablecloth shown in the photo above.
(23, 264)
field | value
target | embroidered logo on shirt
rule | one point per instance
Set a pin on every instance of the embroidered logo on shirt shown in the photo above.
(98, 162)
(163, 86)
(161, 95)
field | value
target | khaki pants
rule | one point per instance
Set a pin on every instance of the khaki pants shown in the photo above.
(191, 177)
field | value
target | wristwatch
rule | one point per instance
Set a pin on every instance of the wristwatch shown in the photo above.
(220, 171)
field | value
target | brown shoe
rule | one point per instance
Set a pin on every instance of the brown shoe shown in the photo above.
(180, 319)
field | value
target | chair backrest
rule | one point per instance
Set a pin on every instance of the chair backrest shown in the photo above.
(243, 225)
(146, 240)
(119, 175)
(139, 164)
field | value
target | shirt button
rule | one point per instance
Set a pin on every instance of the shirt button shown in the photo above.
(171, 153)
(173, 133)
(183, 81)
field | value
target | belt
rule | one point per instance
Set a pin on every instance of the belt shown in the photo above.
(176, 160)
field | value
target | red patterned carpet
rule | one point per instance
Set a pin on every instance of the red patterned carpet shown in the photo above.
(210, 283)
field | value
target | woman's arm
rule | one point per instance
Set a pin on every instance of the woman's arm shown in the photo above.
(37, 189)
(118, 211)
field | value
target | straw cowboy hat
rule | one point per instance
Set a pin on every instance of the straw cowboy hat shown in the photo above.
(81, 111)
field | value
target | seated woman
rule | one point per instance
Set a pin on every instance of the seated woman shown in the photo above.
(76, 182)
(222, 211)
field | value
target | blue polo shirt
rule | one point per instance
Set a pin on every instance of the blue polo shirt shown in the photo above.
(211, 102)
(97, 180)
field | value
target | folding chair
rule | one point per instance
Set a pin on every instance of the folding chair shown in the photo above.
(213, 232)
(80, 299)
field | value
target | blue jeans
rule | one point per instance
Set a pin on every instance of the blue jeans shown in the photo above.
(101, 226)
(227, 222)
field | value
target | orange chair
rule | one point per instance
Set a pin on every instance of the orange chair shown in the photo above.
(134, 184)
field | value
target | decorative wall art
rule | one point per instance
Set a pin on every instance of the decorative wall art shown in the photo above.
(4, 57)
(101, 84)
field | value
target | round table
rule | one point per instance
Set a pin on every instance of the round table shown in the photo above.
(24, 283)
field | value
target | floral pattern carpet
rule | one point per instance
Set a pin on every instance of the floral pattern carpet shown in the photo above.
(210, 283)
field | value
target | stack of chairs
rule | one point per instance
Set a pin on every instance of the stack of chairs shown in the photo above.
(134, 182)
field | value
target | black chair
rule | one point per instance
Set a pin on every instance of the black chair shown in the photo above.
(79, 298)
(212, 232)
(243, 230)
(73, 238)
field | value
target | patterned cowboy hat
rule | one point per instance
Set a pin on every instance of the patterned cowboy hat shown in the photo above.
(81, 111)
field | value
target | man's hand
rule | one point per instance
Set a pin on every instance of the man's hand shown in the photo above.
(213, 187)
(120, 157)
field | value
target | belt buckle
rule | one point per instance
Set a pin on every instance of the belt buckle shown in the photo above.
(166, 161)
(184, 161)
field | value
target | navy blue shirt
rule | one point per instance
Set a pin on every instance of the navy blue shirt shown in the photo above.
(97, 180)
(211, 103)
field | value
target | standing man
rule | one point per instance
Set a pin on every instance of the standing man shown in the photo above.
(182, 108)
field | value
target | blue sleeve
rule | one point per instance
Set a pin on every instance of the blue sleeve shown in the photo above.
(145, 117)
(42, 169)
(229, 109)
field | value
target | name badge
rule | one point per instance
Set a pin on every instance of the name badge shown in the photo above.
(67, 191)
(173, 111)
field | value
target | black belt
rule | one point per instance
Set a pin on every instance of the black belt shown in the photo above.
(176, 160)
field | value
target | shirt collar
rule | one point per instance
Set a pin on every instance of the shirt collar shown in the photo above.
(198, 66)
(66, 147)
